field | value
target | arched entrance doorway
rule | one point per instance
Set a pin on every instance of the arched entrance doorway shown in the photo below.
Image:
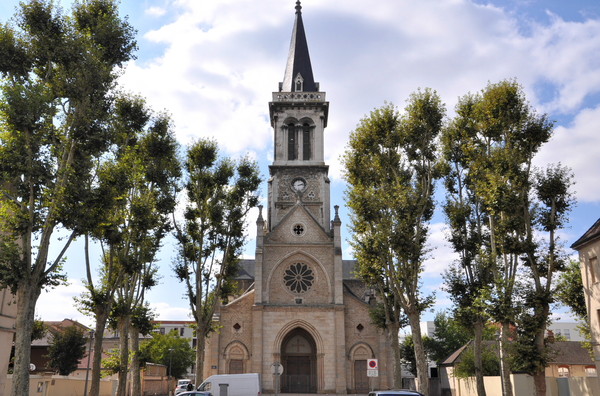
(299, 359)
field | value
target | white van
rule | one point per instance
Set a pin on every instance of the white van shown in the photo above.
(232, 385)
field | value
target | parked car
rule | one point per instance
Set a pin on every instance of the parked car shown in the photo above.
(195, 393)
(399, 392)
(183, 385)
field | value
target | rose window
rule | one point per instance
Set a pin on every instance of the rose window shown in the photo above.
(298, 278)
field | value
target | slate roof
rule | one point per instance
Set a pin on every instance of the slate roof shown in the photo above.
(565, 352)
(298, 59)
(348, 269)
(570, 352)
(246, 270)
(590, 235)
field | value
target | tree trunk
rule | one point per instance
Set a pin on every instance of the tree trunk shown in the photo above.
(27, 295)
(124, 355)
(422, 369)
(539, 377)
(101, 319)
(136, 380)
(393, 330)
(504, 365)
(477, 351)
(200, 346)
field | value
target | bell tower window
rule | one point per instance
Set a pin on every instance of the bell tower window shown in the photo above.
(299, 83)
(292, 146)
(306, 142)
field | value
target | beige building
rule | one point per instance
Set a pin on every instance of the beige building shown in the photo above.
(8, 316)
(301, 306)
(588, 247)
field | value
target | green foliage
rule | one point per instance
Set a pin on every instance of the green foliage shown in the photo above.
(407, 351)
(449, 336)
(220, 193)
(391, 166)
(111, 364)
(569, 289)
(66, 350)
(466, 367)
(168, 349)
(39, 330)
(58, 75)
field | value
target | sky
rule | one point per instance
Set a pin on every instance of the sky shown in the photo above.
(213, 64)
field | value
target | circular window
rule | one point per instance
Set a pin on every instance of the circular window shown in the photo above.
(298, 229)
(298, 277)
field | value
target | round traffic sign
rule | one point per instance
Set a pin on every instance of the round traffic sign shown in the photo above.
(372, 363)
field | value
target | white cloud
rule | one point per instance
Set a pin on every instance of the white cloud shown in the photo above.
(578, 147)
(441, 255)
(58, 303)
(156, 11)
(166, 311)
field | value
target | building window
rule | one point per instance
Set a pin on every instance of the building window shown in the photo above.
(162, 330)
(181, 331)
(299, 83)
(306, 143)
(298, 229)
(594, 270)
(292, 147)
(563, 371)
(567, 334)
(590, 371)
(298, 277)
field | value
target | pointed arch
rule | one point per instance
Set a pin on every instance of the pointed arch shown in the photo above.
(313, 260)
(237, 357)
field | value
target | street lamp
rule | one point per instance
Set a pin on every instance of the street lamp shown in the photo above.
(170, 358)
(87, 372)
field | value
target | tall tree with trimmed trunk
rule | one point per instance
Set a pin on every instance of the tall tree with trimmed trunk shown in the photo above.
(58, 76)
(220, 194)
(391, 168)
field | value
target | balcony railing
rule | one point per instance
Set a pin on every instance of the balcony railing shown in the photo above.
(298, 96)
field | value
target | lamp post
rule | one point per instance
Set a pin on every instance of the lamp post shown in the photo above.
(87, 372)
(170, 358)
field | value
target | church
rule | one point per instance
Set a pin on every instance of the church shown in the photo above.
(300, 304)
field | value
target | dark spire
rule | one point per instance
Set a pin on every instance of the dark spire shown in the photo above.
(298, 62)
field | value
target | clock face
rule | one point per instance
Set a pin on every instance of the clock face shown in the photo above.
(299, 184)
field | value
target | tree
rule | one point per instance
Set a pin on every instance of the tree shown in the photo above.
(569, 289)
(220, 193)
(494, 205)
(170, 350)
(469, 280)
(58, 75)
(489, 356)
(391, 168)
(66, 350)
(131, 197)
(448, 336)
(543, 260)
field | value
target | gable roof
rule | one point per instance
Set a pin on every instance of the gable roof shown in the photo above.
(590, 235)
(298, 207)
(570, 352)
(563, 352)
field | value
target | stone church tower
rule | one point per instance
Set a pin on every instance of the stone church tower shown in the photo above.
(300, 304)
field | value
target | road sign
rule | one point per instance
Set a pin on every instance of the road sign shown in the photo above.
(372, 373)
(372, 364)
(277, 368)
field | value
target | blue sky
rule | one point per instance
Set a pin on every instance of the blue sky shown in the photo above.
(212, 64)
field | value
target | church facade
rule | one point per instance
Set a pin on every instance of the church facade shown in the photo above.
(301, 306)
